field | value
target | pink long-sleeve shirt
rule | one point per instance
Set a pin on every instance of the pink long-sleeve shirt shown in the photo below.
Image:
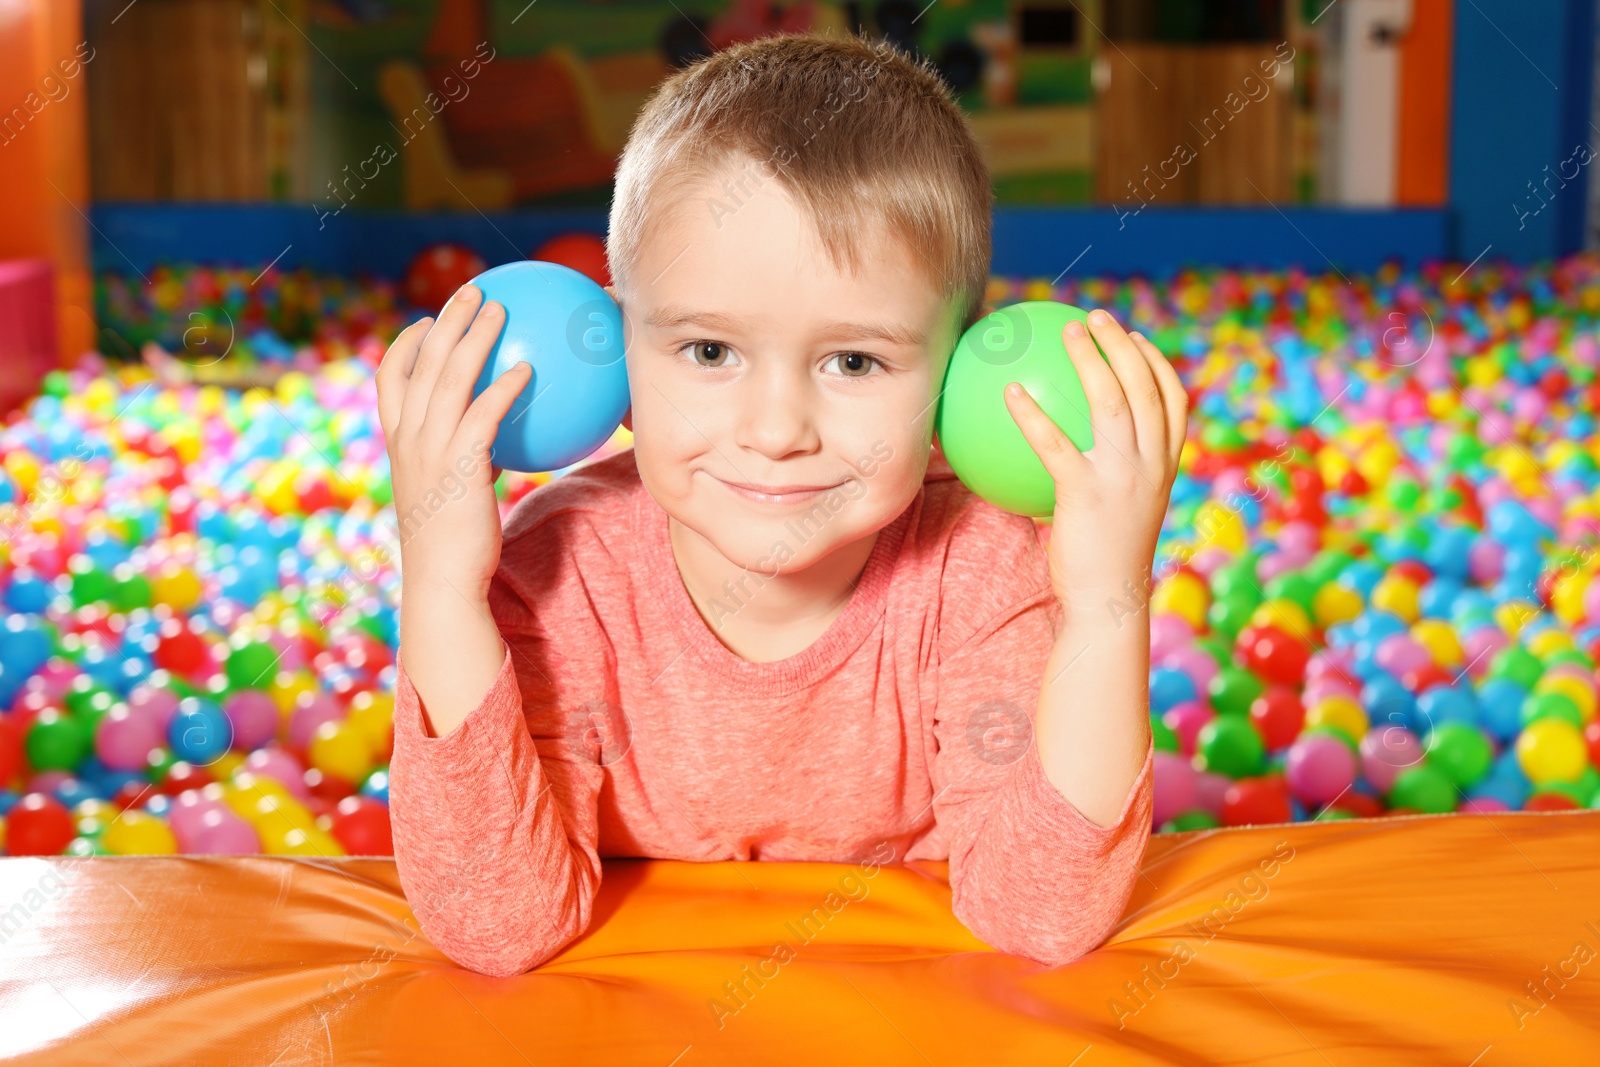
(620, 726)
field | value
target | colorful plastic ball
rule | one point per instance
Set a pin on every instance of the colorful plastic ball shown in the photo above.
(1387, 752)
(361, 825)
(254, 717)
(199, 732)
(138, 833)
(11, 750)
(1254, 801)
(1551, 749)
(1233, 690)
(1423, 789)
(340, 749)
(1229, 745)
(1174, 786)
(1022, 342)
(1278, 716)
(1273, 655)
(376, 786)
(569, 331)
(1460, 751)
(57, 741)
(125, 737)
(222, 833)
(1319, 768)
(38, 825)
(583, 252)
(436, 273)
(252, 665)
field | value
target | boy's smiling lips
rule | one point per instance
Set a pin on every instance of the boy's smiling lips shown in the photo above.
(777, 494)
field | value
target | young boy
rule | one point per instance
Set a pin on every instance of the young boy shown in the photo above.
(777, 628)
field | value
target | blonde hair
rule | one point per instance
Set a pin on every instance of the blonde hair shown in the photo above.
(858, 132)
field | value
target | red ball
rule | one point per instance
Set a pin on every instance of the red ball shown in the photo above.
(184, 775)
(1426, 677)
(1550, 801)
(181, 650)
(1273, 655)
(130, 794)
(1413, 571)
(1278, 716)
(328, 786)
(1591, 737)
(1360, 805)
(435, 275)
(583, 252)
(10, 749)
(38, 825)
(1257, 800)
(361, 825)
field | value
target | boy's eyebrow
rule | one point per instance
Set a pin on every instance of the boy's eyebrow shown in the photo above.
(674, 316)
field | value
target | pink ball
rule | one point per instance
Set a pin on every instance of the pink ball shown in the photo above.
(126, 735)
(222, 832)
(160, 704)
(47, 782)
(1168, 633)
(1209, 787)
(1197, 664)
(1185, 720)
(1386, 751)
(1485, 561)
(1298, 541)
(1479, 647)
(1207, 560)
(1483, 804)
(188, 809)
(1174, 787)
(312, 711)
(281, 766)
(1319, 768)
(1271, 565)
(254, 716)
(1399, 653)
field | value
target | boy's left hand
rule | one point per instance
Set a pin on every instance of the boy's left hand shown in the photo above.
(1110, 500)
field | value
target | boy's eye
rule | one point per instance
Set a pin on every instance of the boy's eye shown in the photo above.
(710, 353)
(854, 364)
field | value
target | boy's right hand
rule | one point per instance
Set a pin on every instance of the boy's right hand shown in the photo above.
(438, 439)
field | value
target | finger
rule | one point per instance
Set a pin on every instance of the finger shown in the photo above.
(1055, 449)
(394, 372)
(483, 418)
(1138, 382)
(452, 389)
(1174, 398)
(442, 338)
(1108, 413)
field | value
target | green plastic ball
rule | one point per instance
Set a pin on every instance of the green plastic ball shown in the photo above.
(1230, 745)
(56, 742)
(253, 665)
(984, 445)
(1191, 820)
(1423, 788)
(1460, 751)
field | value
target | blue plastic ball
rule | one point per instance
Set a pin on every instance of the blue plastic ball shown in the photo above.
(569, 330)
(200, 732)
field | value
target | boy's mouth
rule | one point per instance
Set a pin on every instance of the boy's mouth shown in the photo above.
(777, 494)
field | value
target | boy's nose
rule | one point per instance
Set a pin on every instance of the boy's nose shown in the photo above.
(778, 416)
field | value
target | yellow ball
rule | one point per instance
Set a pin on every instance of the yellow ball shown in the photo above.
(342, 750)
(1513, 615)
(1567, 594)
(1340, 712)
(1286, 615)
(1335, 603)
(138, 833)
(1439, 638)
(1573, 688)
(1547, 641)
(1184, 595)
(287, 688)
(373, 714)
(1398, 596)
(1551, 749)
(176, 586)
(280, 840)
(1215, 524)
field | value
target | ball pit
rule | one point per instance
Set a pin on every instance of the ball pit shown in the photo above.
(1374, 593)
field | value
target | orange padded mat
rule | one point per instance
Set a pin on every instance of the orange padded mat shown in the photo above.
(1467, 940)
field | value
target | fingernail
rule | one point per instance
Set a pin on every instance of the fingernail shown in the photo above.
(1075, 328)
(1136, 335)
(467, 291)
(1013, 390)
(1099, 318)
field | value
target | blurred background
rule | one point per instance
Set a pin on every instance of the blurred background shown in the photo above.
(1363, 230)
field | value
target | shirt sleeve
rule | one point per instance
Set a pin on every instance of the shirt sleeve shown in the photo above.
(1029, 873)
(496, 823)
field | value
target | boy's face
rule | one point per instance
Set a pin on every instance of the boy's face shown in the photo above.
(753, 360)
